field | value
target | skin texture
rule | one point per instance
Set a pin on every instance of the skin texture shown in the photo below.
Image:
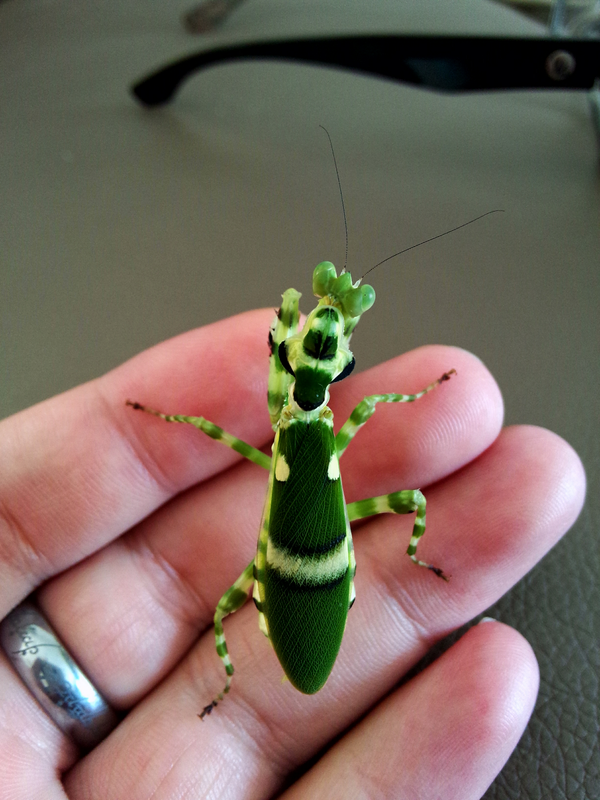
(131, 529)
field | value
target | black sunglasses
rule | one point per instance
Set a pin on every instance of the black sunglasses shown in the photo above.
(445, 63)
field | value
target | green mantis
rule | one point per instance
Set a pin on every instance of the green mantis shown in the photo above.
(302, 577)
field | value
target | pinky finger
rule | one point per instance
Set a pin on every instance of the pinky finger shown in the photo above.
(445, 734)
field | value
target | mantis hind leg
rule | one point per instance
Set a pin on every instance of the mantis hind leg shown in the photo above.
(234, 598)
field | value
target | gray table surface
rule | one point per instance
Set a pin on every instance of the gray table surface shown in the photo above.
(122, 227)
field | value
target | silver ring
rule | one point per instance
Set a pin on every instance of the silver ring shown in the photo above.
(59, 685)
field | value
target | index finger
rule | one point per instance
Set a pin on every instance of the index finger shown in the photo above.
(75, 473)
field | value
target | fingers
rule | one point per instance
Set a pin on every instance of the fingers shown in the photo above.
(493, 519)
(151, 592)
(79, 469)
(263, 728)
(445, 734)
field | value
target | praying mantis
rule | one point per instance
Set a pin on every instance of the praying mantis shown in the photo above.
(302, 576)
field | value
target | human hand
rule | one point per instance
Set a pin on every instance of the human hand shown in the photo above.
(132, 529)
